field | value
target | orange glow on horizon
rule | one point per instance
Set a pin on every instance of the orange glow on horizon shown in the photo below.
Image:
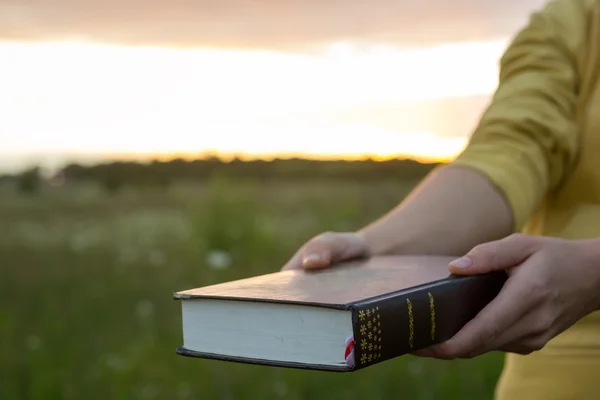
(228, 157)
(421, 147)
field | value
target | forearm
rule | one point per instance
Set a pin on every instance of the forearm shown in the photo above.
(451, 211)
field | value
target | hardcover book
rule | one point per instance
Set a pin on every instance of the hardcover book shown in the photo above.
(344, 318)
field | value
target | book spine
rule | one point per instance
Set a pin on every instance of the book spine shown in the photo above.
(398, 324)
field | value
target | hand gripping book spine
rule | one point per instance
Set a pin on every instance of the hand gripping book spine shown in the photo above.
(395, 324)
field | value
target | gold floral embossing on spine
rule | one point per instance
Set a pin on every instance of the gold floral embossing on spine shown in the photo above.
(432, 313)
(369, 335)
(411, 324)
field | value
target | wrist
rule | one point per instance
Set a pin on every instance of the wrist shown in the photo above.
(371, 243)
(591, 255)
(369, 249)
(379, 241)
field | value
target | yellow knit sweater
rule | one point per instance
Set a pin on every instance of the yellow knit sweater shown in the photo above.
(539, 143)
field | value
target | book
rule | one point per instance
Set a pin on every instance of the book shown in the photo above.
(344, 318)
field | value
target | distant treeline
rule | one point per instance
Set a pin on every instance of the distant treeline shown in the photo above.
(114, 175)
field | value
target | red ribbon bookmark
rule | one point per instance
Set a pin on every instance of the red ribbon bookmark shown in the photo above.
(349, 348)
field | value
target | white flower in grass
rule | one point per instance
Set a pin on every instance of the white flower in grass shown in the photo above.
(114, 362)
(415, 367)
(144, 309)
(128, 254)
(280, 389)
(148, 391)
(218, 259)
(33, 342)
(157, 258)
(78, 243)
(184, 391)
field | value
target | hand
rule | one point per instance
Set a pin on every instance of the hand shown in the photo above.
(552, 283)
(327, 248)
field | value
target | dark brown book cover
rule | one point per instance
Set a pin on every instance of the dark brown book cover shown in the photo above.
(399, 304)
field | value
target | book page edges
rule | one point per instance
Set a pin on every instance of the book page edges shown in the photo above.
(227, 358)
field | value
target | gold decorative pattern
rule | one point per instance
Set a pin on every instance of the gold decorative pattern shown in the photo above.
(370, 335)
(411, 324)
(361, 315)
(432, 313)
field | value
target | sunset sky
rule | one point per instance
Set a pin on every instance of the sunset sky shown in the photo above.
(327, 78)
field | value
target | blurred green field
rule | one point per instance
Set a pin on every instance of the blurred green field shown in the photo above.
(86, 281)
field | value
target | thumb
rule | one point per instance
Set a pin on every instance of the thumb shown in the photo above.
(495, 256)
(327, 248)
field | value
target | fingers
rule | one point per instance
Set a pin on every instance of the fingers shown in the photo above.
(516, 338)
(327, 248)
(497, 255)
(490, 329)
(526, 335)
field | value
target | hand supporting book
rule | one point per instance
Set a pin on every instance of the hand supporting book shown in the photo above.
(552, 284)
(328, 248)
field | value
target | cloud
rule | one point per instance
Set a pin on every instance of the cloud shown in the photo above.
(262, 23)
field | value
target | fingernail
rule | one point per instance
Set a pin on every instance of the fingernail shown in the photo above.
(311, 259)
(462, 263)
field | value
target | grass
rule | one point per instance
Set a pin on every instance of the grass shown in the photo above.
(86, 281)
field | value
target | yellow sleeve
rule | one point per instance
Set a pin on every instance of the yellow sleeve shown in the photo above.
(527, 139)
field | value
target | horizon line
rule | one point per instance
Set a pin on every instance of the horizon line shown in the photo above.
(100, 158)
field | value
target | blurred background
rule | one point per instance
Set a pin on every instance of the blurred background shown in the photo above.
(153, 146)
